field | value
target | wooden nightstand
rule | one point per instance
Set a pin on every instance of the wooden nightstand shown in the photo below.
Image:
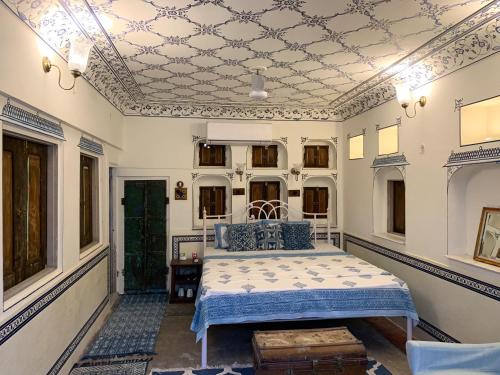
(186, 275)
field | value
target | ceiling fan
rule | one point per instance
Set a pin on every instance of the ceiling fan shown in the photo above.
(257, 92)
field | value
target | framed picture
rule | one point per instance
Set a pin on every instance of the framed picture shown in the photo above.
(488, 237)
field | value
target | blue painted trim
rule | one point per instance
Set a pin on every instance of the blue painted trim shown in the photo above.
(389, 161)
(435, 331)
(478, 286)
(90, 145)
(177, 240)
(78, 338)
(481, 155)
(21, 117)
(17, 322)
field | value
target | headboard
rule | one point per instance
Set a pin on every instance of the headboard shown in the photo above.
(269, 210)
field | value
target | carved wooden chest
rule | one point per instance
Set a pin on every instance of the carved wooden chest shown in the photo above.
(326, 351)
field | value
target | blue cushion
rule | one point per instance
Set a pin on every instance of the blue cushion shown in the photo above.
(241, 237)
(269, 237)
(221, 236)
(297, 236)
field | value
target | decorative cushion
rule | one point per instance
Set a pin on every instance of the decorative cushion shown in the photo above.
(241, 237)
(221, 240)
(297, 236)
(269, 237)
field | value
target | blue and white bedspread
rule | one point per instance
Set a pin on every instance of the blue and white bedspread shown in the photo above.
(287, 285)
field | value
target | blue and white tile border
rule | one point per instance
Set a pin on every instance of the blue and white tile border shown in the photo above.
(90, 145)
(177, 240)
(78, 338)
(17, 322)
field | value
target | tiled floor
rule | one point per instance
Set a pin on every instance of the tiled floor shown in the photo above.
(228, 344)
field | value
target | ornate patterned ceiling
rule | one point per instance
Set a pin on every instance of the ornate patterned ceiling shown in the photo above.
(325, 58)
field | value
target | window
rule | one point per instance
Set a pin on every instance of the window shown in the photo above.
(89, 203)
(266, 191)
(213, 199)
(316, 156)
(24, 209)
(265, 156)
(480, 122)
(396, 207)
(388, 140)
(356, 147)
(315, 200)
(212, 155)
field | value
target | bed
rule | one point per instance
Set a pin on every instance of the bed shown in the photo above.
(283, 285)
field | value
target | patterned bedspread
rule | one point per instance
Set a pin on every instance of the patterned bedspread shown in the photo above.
(285, 285)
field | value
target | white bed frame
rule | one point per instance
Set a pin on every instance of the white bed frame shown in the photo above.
(272, 214)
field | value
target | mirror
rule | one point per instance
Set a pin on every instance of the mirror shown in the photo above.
(488, 237)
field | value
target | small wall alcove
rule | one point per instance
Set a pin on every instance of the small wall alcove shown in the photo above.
(473, 180)
(389, 198)
(219, 187)
(207, 156)
(267, 158)
(332, 152)
(330, 183)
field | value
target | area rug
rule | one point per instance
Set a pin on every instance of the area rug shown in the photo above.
(373, 368)
(113, 368)
(131, 329)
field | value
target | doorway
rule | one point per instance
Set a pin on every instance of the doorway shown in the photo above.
(145, 236)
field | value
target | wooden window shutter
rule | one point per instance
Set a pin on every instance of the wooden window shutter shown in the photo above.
(212, 156)
(316, 156)
(25, 209)
(213, 199)
(86, 200)
(315, 201)
(309, 159)
(265, 156)
(398, 207)
(322, 156)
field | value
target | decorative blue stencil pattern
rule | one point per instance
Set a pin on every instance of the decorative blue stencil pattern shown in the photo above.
(373, 368)
(132, 328)
(116, 368)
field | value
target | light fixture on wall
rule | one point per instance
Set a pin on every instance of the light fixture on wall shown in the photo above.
(405, 97)
(296, 171)
(77, 60)
(239, 170)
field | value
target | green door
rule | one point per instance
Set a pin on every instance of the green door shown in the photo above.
(145, 236)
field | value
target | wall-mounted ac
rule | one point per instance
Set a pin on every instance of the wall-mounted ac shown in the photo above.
(239, 133)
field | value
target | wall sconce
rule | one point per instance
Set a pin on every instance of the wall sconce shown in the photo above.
(405, 97)
(77, 60)
(296, 171)
(239, 170)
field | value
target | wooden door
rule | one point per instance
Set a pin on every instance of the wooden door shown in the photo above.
(86, 200)
(264, 190)
(145, 235)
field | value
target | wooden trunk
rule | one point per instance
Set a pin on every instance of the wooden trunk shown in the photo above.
(325, 351)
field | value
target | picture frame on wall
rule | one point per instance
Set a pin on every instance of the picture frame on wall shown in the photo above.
(488, 237)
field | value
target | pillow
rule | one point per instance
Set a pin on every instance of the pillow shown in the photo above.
(297, 236)
(241, 237)
(269, 237)
(221, 236)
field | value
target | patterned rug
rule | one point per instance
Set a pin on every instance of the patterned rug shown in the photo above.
(373, 368)
(131, 329)
(114, 368)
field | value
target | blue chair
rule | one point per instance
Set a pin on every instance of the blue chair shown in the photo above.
(437, 358)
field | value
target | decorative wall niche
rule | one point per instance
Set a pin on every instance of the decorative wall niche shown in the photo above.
(282, 157)
(382, 201)
(473, 180)
(197, 141)
(324, 181)
(210, 180)
(332, 150)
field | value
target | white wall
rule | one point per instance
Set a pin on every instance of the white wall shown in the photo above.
(436, 126)
(163, 147)
(82, 111)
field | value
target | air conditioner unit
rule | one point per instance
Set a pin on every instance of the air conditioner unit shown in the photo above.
(239, 133)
